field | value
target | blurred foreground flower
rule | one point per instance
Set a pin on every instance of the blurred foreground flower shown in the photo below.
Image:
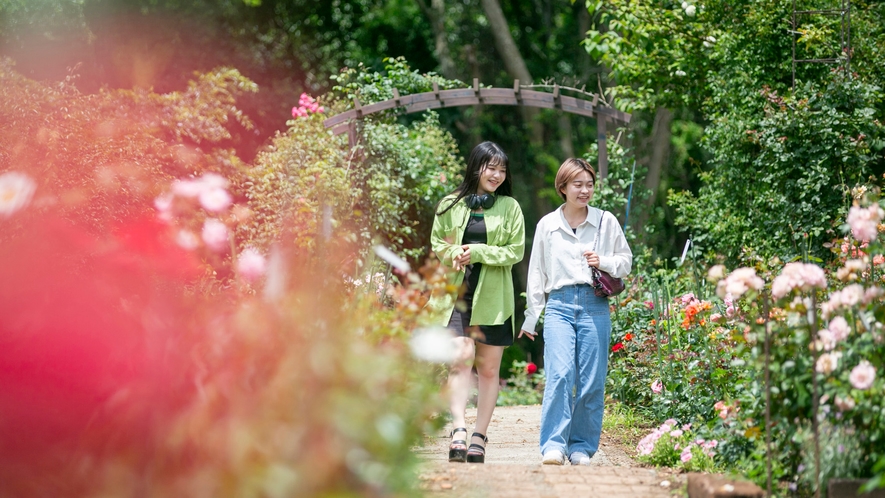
(16, 190)
(433, 344)
(251, 265)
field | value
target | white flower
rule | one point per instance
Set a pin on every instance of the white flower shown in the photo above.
(690, 10)
(251, 264)
(862, 376)
(680, 72)
(187, 240)
(215, 234)
(709, 41)
(16, 190)
(433, 344)
(827, 362)
(215, 200)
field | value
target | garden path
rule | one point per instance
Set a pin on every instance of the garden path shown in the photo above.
(513, 466)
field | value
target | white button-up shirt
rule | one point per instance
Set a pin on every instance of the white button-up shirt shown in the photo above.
(557, 256)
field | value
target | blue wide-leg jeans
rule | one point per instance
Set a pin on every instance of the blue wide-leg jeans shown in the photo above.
(577, 328)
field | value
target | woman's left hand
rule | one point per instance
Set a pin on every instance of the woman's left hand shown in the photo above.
(592, 259)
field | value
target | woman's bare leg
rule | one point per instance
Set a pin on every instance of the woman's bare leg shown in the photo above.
(488, 363)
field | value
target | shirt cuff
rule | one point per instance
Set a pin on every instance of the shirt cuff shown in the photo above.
(529, 323)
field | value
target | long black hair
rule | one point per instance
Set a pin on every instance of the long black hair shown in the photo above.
(482, 155)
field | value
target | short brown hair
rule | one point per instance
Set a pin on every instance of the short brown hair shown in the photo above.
(569, 169)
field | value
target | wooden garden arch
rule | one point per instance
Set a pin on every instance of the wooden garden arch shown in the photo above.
(518, 96)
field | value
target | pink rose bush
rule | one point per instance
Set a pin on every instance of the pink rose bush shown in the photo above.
(864, 222)
(672, 446)
(307, 105)
(799, 277)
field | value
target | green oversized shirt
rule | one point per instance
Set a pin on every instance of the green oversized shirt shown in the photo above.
(493, 299)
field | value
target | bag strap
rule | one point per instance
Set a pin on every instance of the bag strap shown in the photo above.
(598, 229)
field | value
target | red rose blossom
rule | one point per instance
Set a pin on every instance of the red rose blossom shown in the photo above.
(531, 368)
(617, 347)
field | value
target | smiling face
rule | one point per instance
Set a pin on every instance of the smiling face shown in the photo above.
(579, 190)
(491, 176)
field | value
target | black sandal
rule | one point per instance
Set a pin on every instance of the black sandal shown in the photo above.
(477, 453)
(458, 454)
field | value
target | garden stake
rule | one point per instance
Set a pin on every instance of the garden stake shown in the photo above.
(669, 335)
(812, 323)
(767, 324)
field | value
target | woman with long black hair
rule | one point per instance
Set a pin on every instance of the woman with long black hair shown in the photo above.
(478, 232)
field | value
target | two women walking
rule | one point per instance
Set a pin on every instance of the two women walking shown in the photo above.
(479, 233)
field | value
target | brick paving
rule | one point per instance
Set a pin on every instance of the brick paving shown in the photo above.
(513, 467)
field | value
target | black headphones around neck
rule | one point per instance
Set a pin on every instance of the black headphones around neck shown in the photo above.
(484, 201)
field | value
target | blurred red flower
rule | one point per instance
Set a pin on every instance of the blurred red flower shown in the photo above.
(531, 368)
(617, 347)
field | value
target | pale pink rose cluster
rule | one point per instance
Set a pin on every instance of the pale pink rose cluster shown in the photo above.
(657, 387)
(864, 222)
(798, 276)
(210, 189)
(738, 282)
(670, 431)
(850, 296)
(849, 249)
(836, 332)
(306, 105)
(725, 410)
(862, 376)
(647, 444)
(16, 190)
(827, 363)
(853, 269)
(705, 446)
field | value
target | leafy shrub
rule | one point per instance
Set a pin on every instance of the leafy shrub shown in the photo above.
(525, 385)
(102, 158)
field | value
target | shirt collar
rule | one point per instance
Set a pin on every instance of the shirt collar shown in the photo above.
(592, 218)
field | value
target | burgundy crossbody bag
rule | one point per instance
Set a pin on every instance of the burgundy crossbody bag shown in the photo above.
(605, 285)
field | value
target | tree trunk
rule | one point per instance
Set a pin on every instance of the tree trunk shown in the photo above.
(516, 67)
(660, 151)
(436, 12)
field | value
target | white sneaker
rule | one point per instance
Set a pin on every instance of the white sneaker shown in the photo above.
(579, 458)
(553, 457)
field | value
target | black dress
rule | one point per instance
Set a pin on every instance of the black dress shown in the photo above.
(493, 335)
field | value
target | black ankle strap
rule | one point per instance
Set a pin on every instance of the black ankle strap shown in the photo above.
(481, 436)
(458, 429)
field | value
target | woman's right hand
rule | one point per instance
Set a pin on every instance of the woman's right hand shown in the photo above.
(530, 335)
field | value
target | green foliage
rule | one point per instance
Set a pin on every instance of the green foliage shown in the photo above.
(523, 388)
(101, 158)
(779, 177)
(383, 191)
(373, 86)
